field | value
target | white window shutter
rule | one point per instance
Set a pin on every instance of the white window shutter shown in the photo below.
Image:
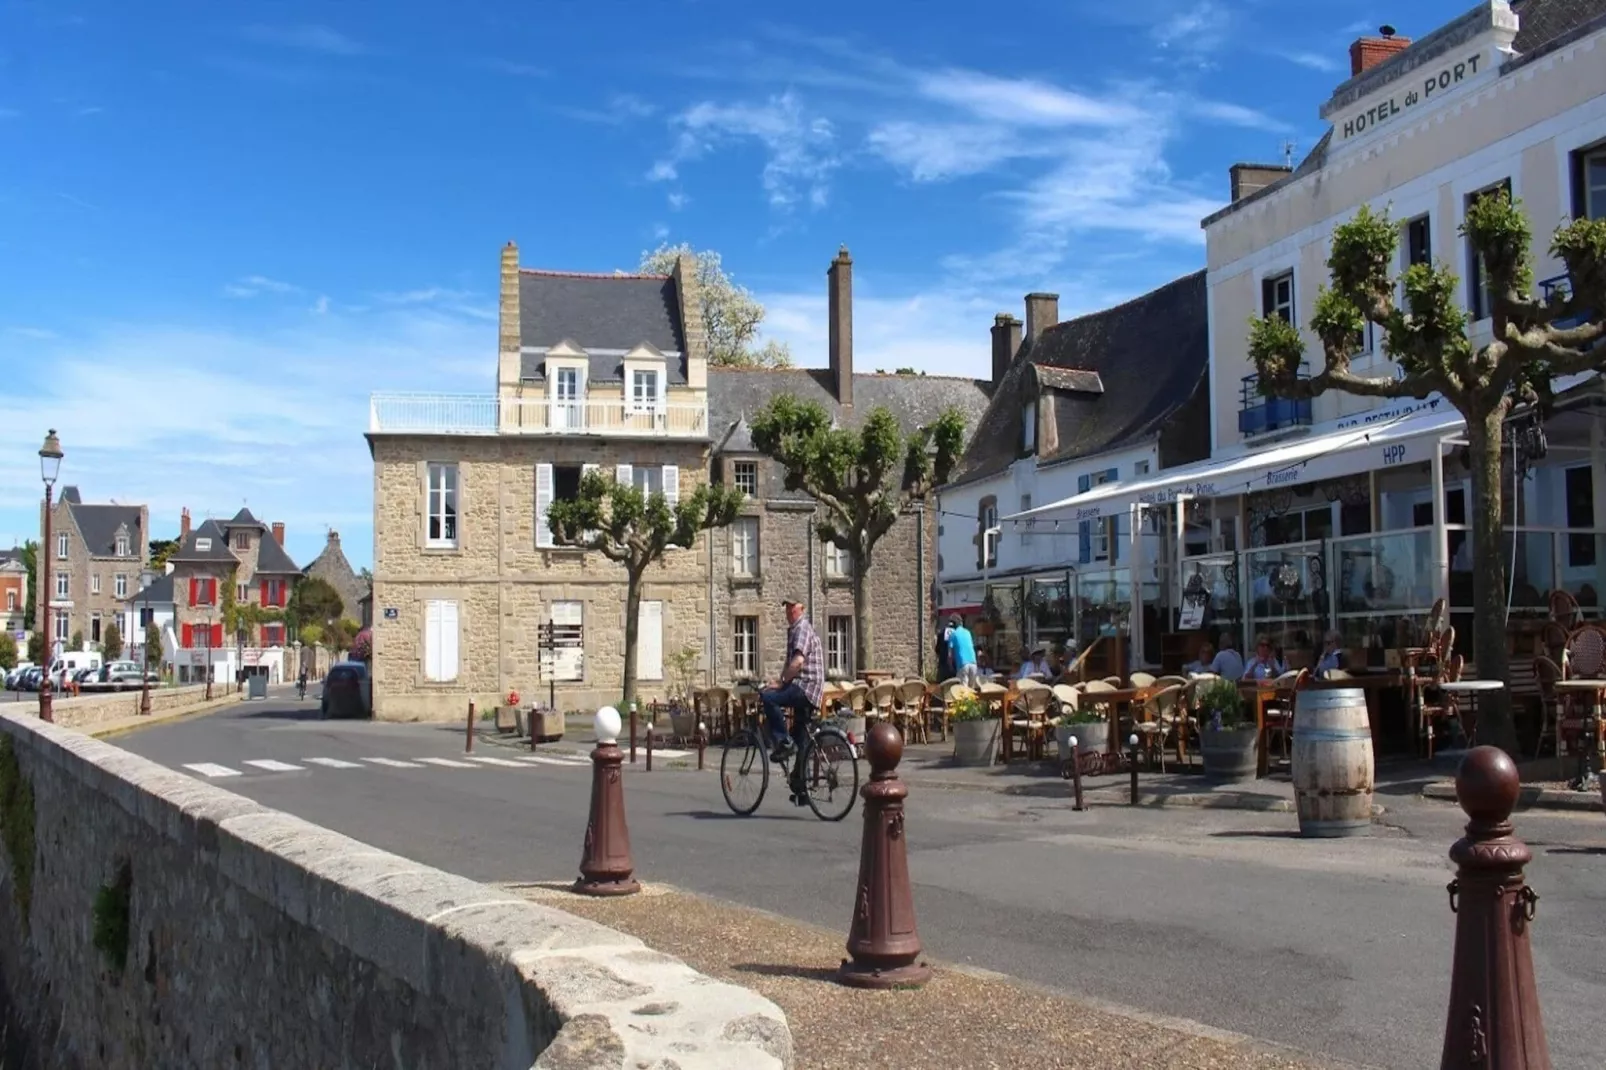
(448, 643)
(585, 470)
(650, 641)
(543, 504)
(671, 485)
(432, 640)
(621, 473)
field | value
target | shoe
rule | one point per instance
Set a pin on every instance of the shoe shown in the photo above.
(781, 751)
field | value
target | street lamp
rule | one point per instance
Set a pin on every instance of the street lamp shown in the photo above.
(49, 468)
(209, 657)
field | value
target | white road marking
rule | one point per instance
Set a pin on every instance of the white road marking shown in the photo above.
(335, 763)
(393, 763)
(496, 761)
(210, 770)
(273, 766)
(541, 759)
(450, 763)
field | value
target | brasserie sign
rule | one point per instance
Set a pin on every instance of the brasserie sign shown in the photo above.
(1417, 90)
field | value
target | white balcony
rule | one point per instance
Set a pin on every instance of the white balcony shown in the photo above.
(485, 414)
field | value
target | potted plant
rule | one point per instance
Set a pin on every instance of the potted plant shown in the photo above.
(1226, 739)
(1091, 730)
(975, 731)
(507, 714)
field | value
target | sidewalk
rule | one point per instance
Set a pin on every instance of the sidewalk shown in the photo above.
(963, 1018)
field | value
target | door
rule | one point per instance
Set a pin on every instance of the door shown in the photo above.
(650, 641)
(566, 411)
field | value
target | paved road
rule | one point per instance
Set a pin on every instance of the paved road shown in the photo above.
(1338, 948)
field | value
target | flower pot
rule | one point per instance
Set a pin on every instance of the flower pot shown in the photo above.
(506, 719)
(546, 724)
(683, 725)
(1229, 753)
(975, 742)
(1093, 736)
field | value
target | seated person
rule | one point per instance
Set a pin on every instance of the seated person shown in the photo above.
(1036, 665)
(1228, 663)
(1332, 654)
(1264, 665)
(1207, 654)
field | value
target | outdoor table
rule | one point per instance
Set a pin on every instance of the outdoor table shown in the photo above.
(875, 676)
(1472, 689)
(1117, 698)
(1586, 752)
(1262, 691)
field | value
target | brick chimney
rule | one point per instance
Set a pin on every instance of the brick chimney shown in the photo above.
(1006, 343)
(1248, 178)
(839, 288)
(1042, 312)
(278, 532)
(1368, 52)
(183, 525)
(509, 336)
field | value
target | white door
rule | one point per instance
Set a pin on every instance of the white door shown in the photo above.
(650, 641)
(566, 412)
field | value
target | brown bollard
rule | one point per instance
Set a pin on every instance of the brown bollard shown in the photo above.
(883, 939)
(649, 746)
(1076, 775)
(468, 734)
(1132, 757)
(632, 733)
(605, 867)
(1494, 1021)
(702, 744)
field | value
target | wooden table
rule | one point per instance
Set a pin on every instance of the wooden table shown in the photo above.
(875, 676)
(1260, 692)
(1117, 698)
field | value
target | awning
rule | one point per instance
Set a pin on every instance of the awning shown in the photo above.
(1375, 442)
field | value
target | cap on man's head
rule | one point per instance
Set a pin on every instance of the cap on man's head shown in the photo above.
(788, 603)
(955, 622)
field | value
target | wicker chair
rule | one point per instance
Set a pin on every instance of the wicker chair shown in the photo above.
(1160, 719)
(911, 711)
(1029, 719)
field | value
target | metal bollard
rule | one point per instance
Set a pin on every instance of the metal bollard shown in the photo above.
(883, 940)
(1493, 1021)
(468, 734)
(1132, 757)
(632, 733)
(702, 743)
(649, 746)
(606, 867)
(1076, 775)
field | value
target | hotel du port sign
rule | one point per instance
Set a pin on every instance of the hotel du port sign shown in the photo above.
(1414, 90)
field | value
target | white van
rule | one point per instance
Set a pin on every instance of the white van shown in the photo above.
(69, 663)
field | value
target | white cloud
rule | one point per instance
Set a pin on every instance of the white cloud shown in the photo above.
(457, 302)
(1232, 115)
(255, 285)
(800, 147)
(1024, 102)
(931, 152)
(1195, 29)
(307, 38)
(1316, 61)
(678, 200)
(621, 108)
(660, 232)
(320, 307)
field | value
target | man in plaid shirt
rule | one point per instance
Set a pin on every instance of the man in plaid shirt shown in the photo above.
(802, 684)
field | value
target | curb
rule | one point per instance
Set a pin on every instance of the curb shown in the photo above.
(167, 717)
(1110, 796)
(1529, 798)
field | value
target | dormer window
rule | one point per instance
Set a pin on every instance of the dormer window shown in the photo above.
(645, 395)
(1028, 431)
(242, 540)
(203, 545)
(122, 544)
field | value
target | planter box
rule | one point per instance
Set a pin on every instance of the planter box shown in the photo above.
(546, 725)
(1229, 753)
(1094, 736)
(683, 726)
(975, 742)
(507, 719)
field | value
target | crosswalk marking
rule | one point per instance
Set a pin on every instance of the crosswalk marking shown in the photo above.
(450, 763)
(494, 761)
(273, 766)
(335, 763)
(543, 759)
(210, 770)
(394, 763)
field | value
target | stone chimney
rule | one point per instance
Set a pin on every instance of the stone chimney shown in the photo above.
(334, 538)
(509, 337)
(839, 289)
(1247, 178)
(689, 290)
(1006, 343)
(278, 532)
(183, 525)
(1368, 52)
(1042, 312)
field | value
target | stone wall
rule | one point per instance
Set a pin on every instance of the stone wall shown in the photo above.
(153, 920)
(93, 708)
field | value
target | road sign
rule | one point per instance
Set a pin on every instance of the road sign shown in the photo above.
(391, 613)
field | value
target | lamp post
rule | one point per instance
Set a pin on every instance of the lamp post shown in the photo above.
(209, 657)
(144, 670)
(49, 468)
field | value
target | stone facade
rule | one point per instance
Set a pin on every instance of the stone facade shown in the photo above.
(13, 592)
(332, 567)
(242, 552)
(251, 938)
(91, 564)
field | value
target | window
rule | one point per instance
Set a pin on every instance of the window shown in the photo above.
(1028, 427)
(566, 482)
(273, 635)
(987, 545)
(839, 647)
(442, 532)
(566, 409)
(203, 545)
(1589, 183)
(203, 591)
(440, 640)
(94, 583)
(62, 589)
(242, 540)
(1479, 301)
(63, 627)
(120, 585)
(838, 562)
(643, 391)
(122, 545)
(744, 477)
(11, 600)
(1580, 498)
(1140, 468)
(94, 627)
(744, 646)
(1094, 536)
(1277, 296)
(242, 593)
(274, 593)
(744, 546)
(649, 481)
(147, 617)
(1418, 241)
(61, 547)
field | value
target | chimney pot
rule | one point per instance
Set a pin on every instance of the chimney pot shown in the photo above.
(1042, 312)
(839, 292)
(183, 525)
(1368, 52)
(1006, 343)
(278, 532)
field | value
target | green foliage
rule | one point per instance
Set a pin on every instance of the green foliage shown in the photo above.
(340, 634)
(17, 824)
(77, 642)
(1220, 705)
(111, 641)
(1091, 715)
(111, 917)
(160, 550)
(314, 601)
(8, 652)
(731, 315)
(967, 708)
(36, 648)
(683, 674)
(30, 560)
(312, 634)
(153, 646)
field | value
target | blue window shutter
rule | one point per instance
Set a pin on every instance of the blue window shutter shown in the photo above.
(1083, 483)
(1110, 474)
(1084, 530)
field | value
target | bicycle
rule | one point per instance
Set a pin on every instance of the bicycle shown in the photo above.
(301, 690)
(822, 774)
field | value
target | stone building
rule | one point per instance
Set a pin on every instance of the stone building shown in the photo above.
(603, 371)
(13, 593)
(94, 564)
(332, 567)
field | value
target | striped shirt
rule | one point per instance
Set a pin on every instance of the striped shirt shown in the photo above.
(801, 638)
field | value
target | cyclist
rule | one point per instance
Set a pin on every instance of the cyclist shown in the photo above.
(301, 684)
(801, 687)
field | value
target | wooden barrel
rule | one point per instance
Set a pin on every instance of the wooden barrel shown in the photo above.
(1332, 762)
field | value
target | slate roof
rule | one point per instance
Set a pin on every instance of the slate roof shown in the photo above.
(217, 553)
(272, 560)
(11, 556)
(1077, 379)
(98, 524)
(332, 567)
(613, 312)
(70, 495)
(1150, 355)
(244, 519)
(160, 592)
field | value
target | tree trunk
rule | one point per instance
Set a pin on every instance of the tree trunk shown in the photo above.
(1495, 724)
(632, 633)
(861, 613)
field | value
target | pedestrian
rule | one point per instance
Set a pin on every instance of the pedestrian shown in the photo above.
(962, 649)
(801, 686)
(945, 657)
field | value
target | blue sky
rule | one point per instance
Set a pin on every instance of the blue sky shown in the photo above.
(223, 226)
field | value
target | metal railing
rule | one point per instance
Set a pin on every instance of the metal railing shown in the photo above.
(486, 414)
(1259, 414)
(1560, 286)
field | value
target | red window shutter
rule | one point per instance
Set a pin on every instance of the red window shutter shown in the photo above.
(189, 634)
(211, 592)
(217, 633)
(284, 594)
(193, 585)
(264, 599)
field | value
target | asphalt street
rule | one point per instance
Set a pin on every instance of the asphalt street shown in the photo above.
(1338, 948)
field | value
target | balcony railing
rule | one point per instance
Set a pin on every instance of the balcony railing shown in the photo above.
(1258, 414)
(476, 414)
(1560, 287)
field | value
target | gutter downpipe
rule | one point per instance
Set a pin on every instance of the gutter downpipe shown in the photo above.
(920, 589)
(713, 627)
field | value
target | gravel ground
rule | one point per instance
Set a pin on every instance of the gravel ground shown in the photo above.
(962, 1020)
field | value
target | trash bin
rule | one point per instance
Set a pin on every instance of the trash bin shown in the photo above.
(256, 686)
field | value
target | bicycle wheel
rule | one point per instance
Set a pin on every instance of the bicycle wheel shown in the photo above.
(830, 774)
(744, 769)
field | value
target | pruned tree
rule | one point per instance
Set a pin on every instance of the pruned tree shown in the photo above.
(77, 642)
(1427, 337)
(36, 648)
(30, 561)
(111, 641)
(160, 551)
(731, 314)
(315, 601)
(634, 530)
(862, 477)
(8, 651)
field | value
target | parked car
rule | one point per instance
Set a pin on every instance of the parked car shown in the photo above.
(119, 674)
(347, 691)
(14, 677)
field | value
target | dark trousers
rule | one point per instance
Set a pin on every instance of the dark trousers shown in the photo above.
(777, 700)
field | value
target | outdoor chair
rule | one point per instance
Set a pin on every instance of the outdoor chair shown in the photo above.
(911, 711)
(1066, 699)
(1114, 682)
(1585, 653)
(1564, 609)
(1554, 710)
(1141, 679)
(1439, 707)
(884, 701)
(1280, 712)
(1159, 721)
(713, 706)
(1029, 719)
